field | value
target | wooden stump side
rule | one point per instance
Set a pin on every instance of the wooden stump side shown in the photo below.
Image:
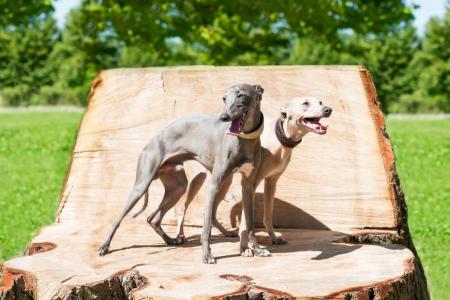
(364, 217)
(18, 285)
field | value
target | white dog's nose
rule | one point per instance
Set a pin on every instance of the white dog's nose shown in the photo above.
(327, 111)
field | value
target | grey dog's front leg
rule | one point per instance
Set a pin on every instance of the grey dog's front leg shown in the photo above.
(213, 188)
(221, 174)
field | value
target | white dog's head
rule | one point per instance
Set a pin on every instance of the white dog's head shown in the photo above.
(305, 113)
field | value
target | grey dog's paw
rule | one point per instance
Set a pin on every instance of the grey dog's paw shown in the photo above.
(174, 241)
(103, 250)
(230, 233)
(182, 238)
(278, 240)
(209, 259)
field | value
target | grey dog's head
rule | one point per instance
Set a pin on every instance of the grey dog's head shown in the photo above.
(305, 113)
(240, 100)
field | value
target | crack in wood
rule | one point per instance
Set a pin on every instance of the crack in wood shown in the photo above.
(249, 290)
(41, 247)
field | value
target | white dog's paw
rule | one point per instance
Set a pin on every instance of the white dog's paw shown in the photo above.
(248, 253)
(262, 252)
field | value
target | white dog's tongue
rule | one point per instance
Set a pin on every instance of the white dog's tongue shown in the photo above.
(315, 124)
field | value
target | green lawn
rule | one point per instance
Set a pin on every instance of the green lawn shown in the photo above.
(35, 150)
(34, 154)
(422, 149)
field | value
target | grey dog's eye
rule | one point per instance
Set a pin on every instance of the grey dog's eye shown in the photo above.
(306, 103)
(224, 98)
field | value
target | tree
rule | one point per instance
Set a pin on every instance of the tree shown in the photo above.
(82, 52)
(387, 56)
(20, 13)
(24, 64)
(110, 33)
(113, 33)
(430, 70)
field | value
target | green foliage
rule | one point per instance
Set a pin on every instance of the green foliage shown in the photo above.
(15, 95)
(308, 51)
(430, 69)
(24, 60)
(21, 12)
(42, 65)
(387, 56)
(110, 33)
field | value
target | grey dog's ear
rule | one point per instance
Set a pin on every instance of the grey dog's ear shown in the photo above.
(259, 90)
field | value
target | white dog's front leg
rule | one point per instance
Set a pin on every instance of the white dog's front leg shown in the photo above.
(270, 185)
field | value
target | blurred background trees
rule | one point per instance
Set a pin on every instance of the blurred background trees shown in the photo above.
(41, 64)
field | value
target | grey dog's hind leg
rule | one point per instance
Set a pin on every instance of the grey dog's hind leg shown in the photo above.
(175, 184)
(138, 190)
(193, 188)
(220, 196)
(147, 169)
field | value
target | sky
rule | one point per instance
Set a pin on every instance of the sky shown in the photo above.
(427, 9)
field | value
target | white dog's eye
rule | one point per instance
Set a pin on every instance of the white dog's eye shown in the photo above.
(320, 102)
(306, 103)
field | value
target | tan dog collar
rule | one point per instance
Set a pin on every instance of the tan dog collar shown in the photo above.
(252, 134)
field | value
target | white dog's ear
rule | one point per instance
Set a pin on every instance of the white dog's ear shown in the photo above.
(283, 110)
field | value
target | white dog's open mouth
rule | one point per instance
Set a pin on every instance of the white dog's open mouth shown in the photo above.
(314, 124)
(237, 124)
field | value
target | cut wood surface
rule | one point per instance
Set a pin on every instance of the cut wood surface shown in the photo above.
(339, 203)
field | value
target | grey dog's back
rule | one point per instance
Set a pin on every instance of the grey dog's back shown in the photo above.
(183, 131)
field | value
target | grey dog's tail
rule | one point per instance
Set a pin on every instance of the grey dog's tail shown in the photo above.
(143, 206)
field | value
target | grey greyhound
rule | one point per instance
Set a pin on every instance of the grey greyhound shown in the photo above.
(221, 148)
(298, 117)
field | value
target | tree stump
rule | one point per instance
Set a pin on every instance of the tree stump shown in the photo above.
(339, 204)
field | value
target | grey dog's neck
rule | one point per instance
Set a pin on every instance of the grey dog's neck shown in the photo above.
(253, 120)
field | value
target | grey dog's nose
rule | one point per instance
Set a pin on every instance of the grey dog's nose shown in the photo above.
(224, 117)
(327, 111)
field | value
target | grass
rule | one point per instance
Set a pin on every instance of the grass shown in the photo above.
(422, 148)
(34, 154)
(35, 151)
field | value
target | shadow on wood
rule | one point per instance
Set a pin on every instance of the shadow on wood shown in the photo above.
(296, 218)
